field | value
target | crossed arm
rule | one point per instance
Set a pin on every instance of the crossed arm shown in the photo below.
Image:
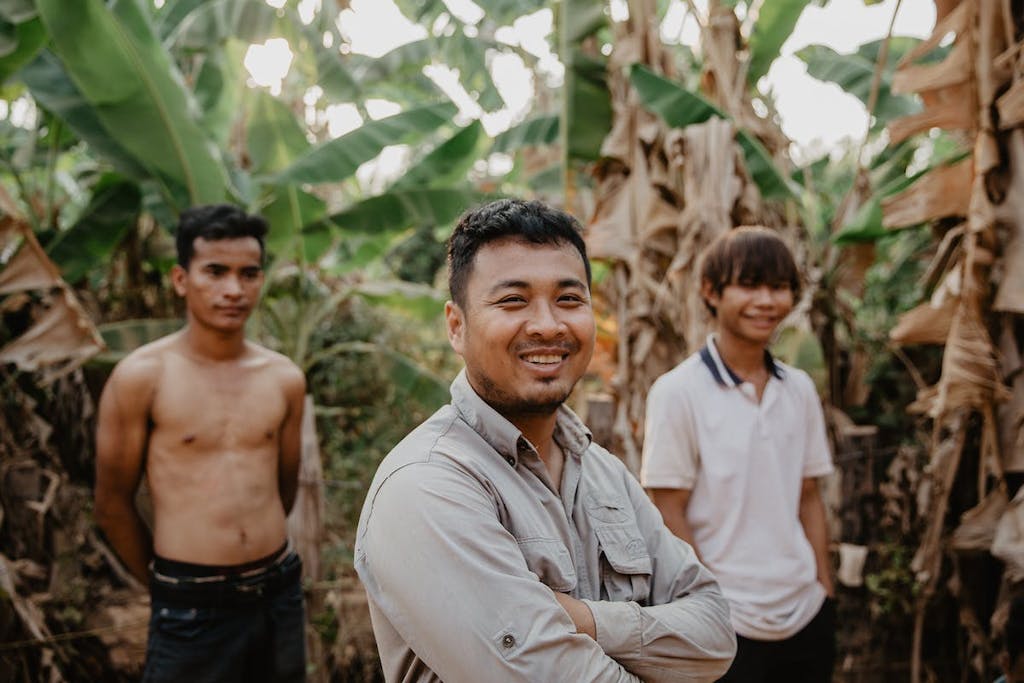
(435, 552)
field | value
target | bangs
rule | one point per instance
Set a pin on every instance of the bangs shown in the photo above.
(767, 262)
(750, 256)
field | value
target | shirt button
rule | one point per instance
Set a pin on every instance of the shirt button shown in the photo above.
(508, 641)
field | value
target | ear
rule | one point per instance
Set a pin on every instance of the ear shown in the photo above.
(178, 278)
(708, 293)
(455, 323)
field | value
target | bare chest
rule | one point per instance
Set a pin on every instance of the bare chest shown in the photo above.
(200, 410)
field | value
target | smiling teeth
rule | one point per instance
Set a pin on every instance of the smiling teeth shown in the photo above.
(543, 359)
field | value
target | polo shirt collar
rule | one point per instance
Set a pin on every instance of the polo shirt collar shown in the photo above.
(503, 436)
(723, 374)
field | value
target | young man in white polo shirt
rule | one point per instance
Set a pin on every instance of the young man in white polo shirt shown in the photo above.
(734, 446)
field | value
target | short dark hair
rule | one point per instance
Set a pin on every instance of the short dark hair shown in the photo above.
(216, 222)
(516, 219)
(748, 255)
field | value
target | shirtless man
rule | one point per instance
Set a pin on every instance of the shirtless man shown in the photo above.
(213, 421)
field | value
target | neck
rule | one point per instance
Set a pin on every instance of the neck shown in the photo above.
(539, 430)
(744, 357)
(213, 344)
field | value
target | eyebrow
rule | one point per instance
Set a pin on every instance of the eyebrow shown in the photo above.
(522, 284)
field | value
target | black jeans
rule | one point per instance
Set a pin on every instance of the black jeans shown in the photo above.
(805, 657)
(242, 628)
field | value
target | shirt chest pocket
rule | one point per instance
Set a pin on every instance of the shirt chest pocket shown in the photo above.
(549, 559)
(625, 562)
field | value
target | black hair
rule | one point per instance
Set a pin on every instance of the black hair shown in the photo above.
(216, 222)
(525, 221)
(748, 255)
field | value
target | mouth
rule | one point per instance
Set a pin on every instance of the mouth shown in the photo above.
(544, 358)
(232, 310)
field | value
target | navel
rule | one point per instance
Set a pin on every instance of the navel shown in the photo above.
(188, 438)
(269, 435)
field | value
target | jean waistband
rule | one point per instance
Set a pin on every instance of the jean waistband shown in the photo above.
(226, 590)
(174, 571)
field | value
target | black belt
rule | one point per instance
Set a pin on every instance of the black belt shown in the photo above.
(227, 590)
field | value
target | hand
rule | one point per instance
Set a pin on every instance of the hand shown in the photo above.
(579, 613)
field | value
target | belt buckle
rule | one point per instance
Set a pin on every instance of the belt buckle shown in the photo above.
(256, 589)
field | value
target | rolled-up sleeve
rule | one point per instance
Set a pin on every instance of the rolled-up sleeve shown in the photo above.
(684, 633)
(453, 583)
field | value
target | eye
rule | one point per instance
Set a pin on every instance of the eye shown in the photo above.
(512, 299)
(251, 273)
(572, 299)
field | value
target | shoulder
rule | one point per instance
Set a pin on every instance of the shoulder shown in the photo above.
(678, 382)
(798, 380)
(140, 371)
(285, 371)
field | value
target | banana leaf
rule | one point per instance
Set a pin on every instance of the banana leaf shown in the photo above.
(54, 91)
(854, 73)
(448, 163)
(775, 22)
(680, 108)
(111, 213)
(22, 43)
(274, 137)
(337, 159)
(395, 211)
(112, 54)
(537, 131)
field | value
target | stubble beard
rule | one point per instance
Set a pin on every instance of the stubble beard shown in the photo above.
(510, 405)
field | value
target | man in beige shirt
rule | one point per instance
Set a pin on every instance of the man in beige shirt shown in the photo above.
(497, 541)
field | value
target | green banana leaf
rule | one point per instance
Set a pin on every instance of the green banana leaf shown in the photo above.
(112, 212)
(448, 163)
(537, 131)
(680, 108)
(274, 137)
(287, 213)
(200, 25)
(19, 44)
(112, 54)
(775, 22)
(588, 106)
(219, 88)
(54, 91)
(395, 211)
(854, 73)
(337, 159)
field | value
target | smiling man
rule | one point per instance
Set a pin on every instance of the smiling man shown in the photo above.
(734, 446)
(213, 421)
(497, 542)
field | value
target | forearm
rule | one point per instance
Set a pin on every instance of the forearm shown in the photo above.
(680, 527)
(690, 639)
(129, 537)
(813, 520)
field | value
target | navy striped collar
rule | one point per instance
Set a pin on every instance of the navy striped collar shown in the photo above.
(723, 374)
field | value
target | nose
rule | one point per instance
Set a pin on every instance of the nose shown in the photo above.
(763, 294)
(545, 321)
(232, 287)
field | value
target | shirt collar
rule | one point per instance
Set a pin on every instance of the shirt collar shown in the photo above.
(503, 436)
(723, 374)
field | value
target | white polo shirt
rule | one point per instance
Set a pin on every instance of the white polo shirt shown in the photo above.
(744, 462)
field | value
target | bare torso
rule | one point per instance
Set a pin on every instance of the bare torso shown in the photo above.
(212, 457)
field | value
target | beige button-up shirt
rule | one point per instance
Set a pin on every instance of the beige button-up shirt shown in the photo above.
(463, 537)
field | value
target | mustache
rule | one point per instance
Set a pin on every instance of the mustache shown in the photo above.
(565, 346)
